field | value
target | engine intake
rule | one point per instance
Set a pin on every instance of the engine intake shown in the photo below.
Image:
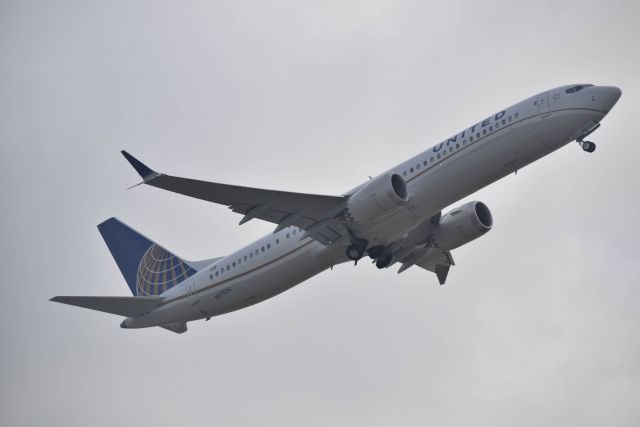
(378, 197)
(462, 225)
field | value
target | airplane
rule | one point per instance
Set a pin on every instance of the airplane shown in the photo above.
(394, 218)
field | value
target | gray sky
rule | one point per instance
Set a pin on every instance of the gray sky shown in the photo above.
(538, 323)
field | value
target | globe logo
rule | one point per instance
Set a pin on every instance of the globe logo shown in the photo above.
(160, 270)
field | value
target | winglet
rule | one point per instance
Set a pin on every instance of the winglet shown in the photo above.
(144, 171)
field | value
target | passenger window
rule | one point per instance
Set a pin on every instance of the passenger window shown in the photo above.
(277, 241)
(509, 118)
(233, 264)
(484, 131)
(431, 160)
(464, 142)
(245, 258)
(228, 268)
(451, 150)
(216, 274)
(438, 155)
(251, 255)
(457, 146)
(268, 245)
(478, 135)
(425, 163)
(257, 252)
(418, 166)
(471, 138)
(287, 235)
(517, 115)
(404, 173)
(262, 249)
(210, 276)
(411, 170)
(504, 122)
(294, 231)
(490, 128)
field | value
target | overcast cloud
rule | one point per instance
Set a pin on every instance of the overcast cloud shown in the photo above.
(538, 323)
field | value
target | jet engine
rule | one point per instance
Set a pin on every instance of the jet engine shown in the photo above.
(379, 196)
(462, 225)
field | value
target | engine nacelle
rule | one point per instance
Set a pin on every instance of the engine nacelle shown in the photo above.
(462, 225)
(378, 197)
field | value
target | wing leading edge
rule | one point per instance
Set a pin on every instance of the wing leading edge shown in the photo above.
(318, 215)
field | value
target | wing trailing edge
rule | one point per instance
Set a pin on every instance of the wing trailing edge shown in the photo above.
(436, 260)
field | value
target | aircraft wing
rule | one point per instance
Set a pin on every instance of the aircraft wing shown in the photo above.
(316, 214)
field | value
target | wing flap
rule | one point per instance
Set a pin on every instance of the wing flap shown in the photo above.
(122, 306)
(178, 328)
(436, 260)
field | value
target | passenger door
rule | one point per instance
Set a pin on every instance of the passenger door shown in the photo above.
(542, 102)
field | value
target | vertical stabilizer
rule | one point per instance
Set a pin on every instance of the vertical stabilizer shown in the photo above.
(148, 268)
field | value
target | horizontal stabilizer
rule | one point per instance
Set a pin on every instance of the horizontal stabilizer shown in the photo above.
(122, 306)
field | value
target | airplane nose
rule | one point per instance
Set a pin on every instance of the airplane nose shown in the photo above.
(608, 96)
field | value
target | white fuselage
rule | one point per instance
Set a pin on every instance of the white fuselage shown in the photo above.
(439, 176)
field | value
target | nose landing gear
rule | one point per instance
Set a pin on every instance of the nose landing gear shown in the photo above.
(588, 146)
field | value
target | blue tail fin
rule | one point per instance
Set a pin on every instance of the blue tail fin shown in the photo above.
(148, 268)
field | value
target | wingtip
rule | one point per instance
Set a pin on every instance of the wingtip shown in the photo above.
(143, 170)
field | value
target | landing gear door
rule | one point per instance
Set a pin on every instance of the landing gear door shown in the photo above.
(542, 102)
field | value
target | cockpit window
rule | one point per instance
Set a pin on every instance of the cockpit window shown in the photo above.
(576, 88)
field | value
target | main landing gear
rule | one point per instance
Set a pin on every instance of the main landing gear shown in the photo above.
(378, 254)
(357, 248)
(384, 260)
(355, 252)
